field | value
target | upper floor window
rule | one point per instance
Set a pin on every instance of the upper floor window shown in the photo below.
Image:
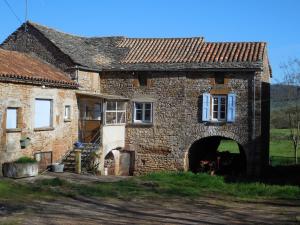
(218, 107)
(97, 111)
(142, 112)
(91, 111)
(142, 79)
(115, 112)
(43, 113)
(219, 79)
(11, 118)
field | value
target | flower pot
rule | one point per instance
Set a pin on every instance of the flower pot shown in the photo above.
(57, 168)
(20, 170)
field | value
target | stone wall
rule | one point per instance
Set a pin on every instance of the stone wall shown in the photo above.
(88, 81)
(58, 140)
(177, 102)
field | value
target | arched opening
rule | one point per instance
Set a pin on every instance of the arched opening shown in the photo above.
(110, 164)
(218, 155)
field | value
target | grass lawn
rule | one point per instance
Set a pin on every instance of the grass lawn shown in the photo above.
(280, 145)
(156, 185)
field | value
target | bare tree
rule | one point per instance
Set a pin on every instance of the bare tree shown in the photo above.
(292, 79)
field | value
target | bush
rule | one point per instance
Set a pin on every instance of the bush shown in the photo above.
(25, 159)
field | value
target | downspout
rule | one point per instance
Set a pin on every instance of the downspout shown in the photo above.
(253, 124)
(254, 109)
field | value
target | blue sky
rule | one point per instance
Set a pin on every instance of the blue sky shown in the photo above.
(274, 21)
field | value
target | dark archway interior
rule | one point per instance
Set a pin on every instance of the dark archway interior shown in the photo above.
(109, 163)
(205, 157)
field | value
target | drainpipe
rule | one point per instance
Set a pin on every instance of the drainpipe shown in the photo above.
(254, 122)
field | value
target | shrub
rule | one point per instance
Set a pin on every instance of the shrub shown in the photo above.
(25, 159)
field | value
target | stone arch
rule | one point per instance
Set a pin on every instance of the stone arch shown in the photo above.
(204, 150)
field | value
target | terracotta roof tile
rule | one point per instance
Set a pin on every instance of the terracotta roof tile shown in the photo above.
(16, 66)
(189, 50)
(122, 53)
(161, 50)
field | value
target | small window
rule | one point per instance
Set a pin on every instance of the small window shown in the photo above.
(219, 108)
(115, 112)
(219, 79)
(67, 112)
(142, 79)
(97, 111)
(43, 113)
(143, 112)
(12, 118)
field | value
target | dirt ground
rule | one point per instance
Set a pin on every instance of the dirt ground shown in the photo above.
(204, 210)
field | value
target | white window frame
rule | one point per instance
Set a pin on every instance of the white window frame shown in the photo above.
(51, 113)
(143, 113)
(16, 117)
(219, 97)
(116, 110)
(67, 117)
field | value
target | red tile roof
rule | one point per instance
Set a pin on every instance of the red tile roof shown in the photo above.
(20, 67)
(163, 50)
(189, 50)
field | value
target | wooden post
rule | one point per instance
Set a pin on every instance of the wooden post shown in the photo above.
(78, 161)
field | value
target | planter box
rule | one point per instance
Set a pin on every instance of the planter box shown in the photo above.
(19, 170)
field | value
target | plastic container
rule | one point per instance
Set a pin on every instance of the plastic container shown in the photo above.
(57, 168)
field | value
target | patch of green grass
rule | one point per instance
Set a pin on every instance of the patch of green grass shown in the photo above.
(10, 190)
(282, 148)
(156, 185)
(189, 184)
(173, 184)
(280, 134)
(228, 145)
(280, 144)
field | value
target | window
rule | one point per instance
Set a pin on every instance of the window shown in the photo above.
(219, 79)
(219, 108)
(97, 111)
(142, 79)
(91, 111)
(12, 118)
(43, 113)
(115, 112)
(67, 112)
(142, 112)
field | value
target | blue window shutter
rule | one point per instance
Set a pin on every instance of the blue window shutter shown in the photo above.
(231, 107)
(206, 107)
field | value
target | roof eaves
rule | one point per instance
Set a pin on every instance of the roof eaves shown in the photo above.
(186, 66)
(14, 78)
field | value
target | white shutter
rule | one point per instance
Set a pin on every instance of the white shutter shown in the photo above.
(42, 114)
(206, 107)
(231, 107)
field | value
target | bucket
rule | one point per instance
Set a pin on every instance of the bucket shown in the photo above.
(57, 168)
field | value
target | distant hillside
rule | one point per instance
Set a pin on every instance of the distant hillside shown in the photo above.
(282, 98)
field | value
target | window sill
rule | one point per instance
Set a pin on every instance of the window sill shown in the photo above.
(115, 124)
(85, 119)
(140, 125)
(43, 129)
(67, 120)
(216, 123)
(13, 130)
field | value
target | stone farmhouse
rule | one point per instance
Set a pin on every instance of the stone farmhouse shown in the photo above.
(145, 104)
